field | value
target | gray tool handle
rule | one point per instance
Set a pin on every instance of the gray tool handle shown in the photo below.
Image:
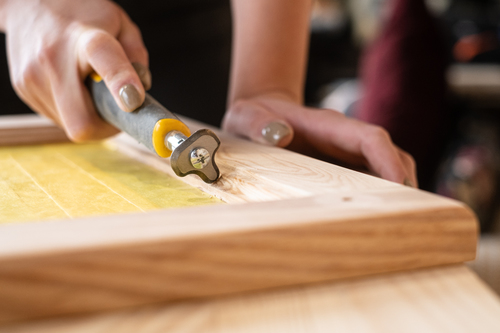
(139, 123)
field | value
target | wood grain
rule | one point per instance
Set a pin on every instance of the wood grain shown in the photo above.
(253, 172)
(124, 260)
(450, 299)
(29, 129)
(293, 220)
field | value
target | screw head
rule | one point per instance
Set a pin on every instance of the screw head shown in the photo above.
(199, 158)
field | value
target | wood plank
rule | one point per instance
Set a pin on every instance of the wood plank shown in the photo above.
(29, 129)
(252, 172)
(450, 299)
(299, 221)
(122, 260)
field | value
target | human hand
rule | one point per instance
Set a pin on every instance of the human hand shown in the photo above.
(277, 120)
(53, 45)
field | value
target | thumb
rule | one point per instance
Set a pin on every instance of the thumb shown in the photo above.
(107, 57)
(254, 121)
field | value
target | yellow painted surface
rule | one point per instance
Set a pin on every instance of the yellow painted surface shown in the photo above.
(68, 180)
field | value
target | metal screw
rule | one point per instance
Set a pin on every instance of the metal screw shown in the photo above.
(199, 158)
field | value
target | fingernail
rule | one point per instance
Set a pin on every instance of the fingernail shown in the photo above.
(275, 131)
(409, 183)
(144, 74)
(130, 97)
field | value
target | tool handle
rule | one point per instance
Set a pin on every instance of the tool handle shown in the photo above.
(140, 123)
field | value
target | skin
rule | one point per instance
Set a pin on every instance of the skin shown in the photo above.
(267, 81)
(56, 44)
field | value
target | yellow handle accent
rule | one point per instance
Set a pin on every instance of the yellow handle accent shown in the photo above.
(162, 127)
(96, 77)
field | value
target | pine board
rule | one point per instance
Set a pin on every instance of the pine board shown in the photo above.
(443, 300)
(291, 220)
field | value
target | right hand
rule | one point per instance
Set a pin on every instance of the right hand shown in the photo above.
(53, 45)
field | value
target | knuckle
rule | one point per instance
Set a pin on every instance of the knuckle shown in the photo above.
(81, 132)
(77, 134)
(23, 80)
(19, 82)
(138, 52)
(378, 135)
(114, 8)
(410, 160)
(46, 57)
(95, 41)
(234, 112)
(142, 52)
(238, 107)
(135, 28)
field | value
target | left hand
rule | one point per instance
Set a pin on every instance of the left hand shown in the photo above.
(323, 131)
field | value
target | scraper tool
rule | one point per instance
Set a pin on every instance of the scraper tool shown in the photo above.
(162, 132)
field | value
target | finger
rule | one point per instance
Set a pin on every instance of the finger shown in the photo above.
(410, 167)
(131, 40)
(36, 105)
(334, 131)
(106, 56)
(373, 143)
(254, 121)
(76, 110)
(29, 84)
(41, 96)
(39, 105)
(46, 108)
(383, 156)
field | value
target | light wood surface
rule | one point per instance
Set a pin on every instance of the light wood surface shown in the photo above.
(293, 220)
(29, 129)
(444, 300)
(252, 172)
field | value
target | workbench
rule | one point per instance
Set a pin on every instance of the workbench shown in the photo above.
(301, 246)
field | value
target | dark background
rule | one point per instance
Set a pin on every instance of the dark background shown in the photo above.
(189, 44)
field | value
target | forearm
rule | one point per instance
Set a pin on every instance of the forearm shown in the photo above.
(269, 48)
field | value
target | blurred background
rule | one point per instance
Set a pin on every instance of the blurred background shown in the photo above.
(353, 47)
(426, 70)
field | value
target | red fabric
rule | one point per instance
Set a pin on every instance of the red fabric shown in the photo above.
(403, 76)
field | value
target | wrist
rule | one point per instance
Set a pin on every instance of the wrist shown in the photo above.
(282, 94)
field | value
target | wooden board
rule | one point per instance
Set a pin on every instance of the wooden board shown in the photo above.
(443, 300)
(293, 220)
(29, 129)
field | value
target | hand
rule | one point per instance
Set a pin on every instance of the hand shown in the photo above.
(328, 132)
(53, 45)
